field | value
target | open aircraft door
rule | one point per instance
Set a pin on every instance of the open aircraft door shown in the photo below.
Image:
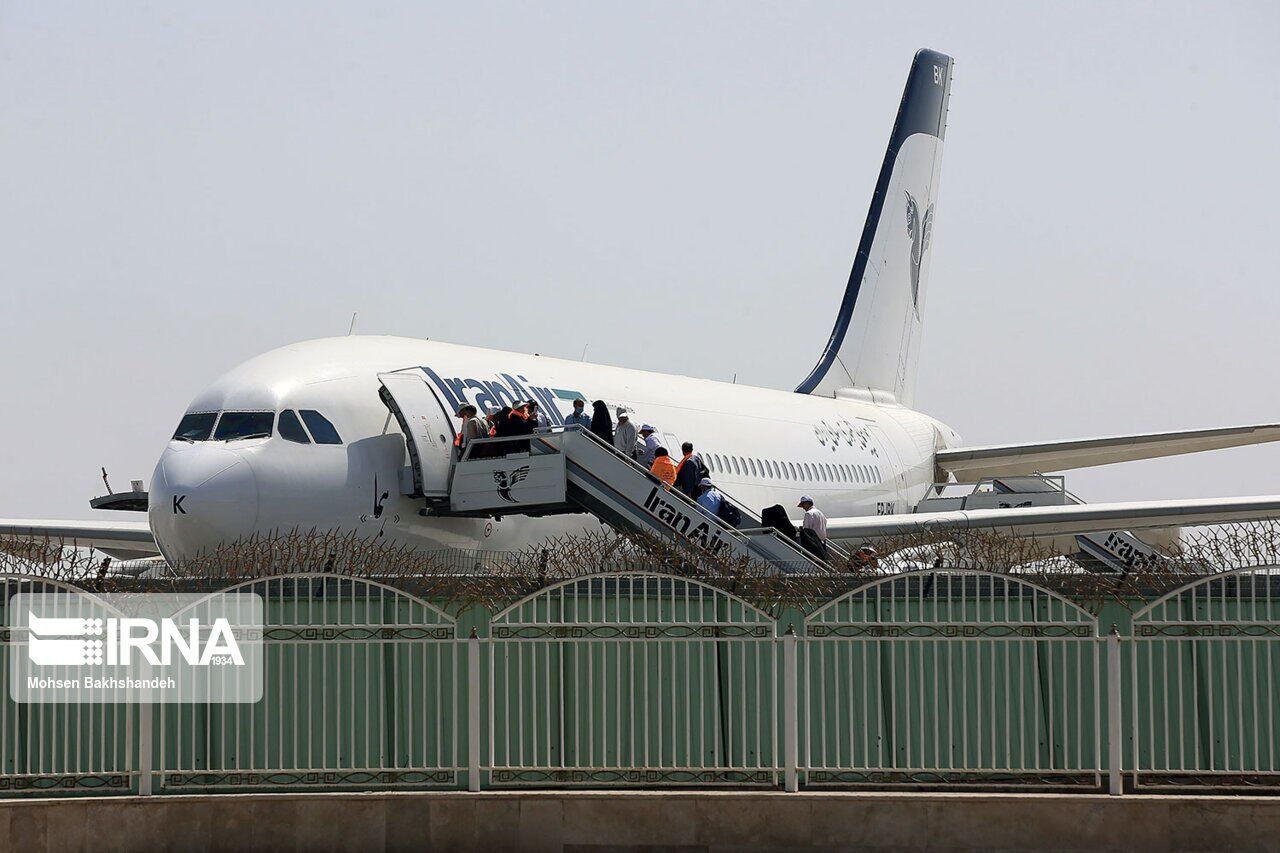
(424, 420)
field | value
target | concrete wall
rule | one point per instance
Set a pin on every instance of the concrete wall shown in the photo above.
(606, 821)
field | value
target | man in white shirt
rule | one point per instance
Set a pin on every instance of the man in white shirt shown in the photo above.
(650, 444)
(813, 518)
(624, 435)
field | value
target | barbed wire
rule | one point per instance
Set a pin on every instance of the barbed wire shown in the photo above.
(459, 578)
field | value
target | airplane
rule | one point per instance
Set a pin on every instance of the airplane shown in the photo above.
(301, 438)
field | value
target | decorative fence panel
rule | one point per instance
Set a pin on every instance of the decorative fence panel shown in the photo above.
(364, 687)
(61, 748)
(632, 679)
(951, 676)
(1202, 693)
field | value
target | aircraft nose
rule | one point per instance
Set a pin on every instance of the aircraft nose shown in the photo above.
(201, 497)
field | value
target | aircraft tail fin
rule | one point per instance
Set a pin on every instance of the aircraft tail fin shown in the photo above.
(876, 340)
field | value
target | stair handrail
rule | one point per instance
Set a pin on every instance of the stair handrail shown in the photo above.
(545, 436)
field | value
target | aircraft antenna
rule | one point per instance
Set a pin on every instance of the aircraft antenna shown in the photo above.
(352, 327)
(583, 357)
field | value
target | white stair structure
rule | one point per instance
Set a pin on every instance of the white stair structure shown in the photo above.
(1107, 551)
(566, 470)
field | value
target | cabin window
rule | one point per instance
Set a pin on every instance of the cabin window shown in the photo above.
(795, 475)
(321, 430)
(195, 426)
(291, 428)
(240, 425)
(734, 460)
(751, 463)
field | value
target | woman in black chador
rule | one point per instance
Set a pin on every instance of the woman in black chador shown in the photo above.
(601, 423)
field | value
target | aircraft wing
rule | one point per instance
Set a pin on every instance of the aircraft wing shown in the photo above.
(1064, 520)
(118, 538)
(970, 464)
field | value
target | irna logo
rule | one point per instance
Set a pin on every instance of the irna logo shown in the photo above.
(92, 641)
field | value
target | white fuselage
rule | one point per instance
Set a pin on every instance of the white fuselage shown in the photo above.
(764, 447)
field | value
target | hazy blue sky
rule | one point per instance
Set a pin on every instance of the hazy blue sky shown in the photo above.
(183, 186)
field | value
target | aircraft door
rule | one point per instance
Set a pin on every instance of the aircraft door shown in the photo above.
(424, 420)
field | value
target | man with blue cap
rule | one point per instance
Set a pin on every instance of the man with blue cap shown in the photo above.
(649, 443)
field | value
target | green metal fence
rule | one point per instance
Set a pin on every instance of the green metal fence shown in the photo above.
(934, 678)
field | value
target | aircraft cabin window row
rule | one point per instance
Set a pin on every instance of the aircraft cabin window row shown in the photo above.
(229, 426)
(811, 472)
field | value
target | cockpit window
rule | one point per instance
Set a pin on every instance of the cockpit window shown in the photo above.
(234, 425)
(195, 426)
(291, 428)
(321, 430)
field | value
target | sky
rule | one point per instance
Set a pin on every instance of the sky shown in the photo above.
(675, 187)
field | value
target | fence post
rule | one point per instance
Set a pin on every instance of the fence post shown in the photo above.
(473, 712)
(1116, 748)
(790, 712)
(145, 737)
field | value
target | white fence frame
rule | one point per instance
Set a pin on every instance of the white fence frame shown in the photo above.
(1212, 660)
(952, 676)
(380, 637)
(43, 746)
(633, 651)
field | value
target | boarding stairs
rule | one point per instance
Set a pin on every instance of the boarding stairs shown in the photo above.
(1107, 551)
(571, 470)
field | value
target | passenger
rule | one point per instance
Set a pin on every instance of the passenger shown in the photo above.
(663, 467)
(600, 423)
(462, 415)
(472, 428)
(709, 497)
(690, 471)
(578, 417)
(522, 423)
(624, 437)
(536, 416)
(649, 440)
(506, 424)
(813, 528)
(865, 558)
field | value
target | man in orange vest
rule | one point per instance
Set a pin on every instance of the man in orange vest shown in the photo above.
(663, 468)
